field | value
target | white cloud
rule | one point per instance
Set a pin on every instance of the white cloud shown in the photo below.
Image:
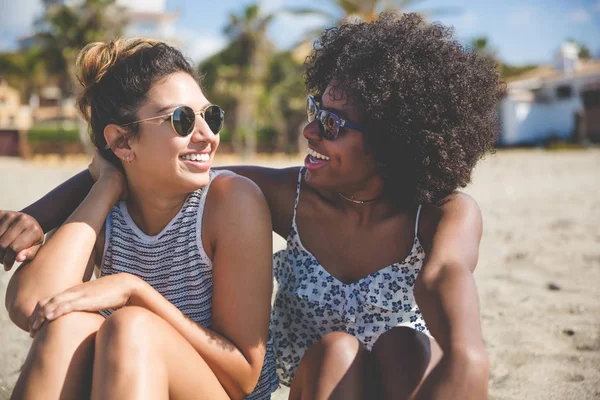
(579, 15)
(522, 17)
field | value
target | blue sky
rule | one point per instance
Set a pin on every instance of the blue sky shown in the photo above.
(520, 31)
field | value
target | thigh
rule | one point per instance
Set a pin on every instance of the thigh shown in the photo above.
(59, 363)
(400, 360)
(160, 356)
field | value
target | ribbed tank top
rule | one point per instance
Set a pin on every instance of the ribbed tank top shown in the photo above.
(175, 264)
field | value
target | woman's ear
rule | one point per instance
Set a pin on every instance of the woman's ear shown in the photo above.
(116, 138)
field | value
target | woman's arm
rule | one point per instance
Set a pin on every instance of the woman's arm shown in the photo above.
(446, 294)
(21, 233)
(62, 262)
(239, 237)
(53, 209)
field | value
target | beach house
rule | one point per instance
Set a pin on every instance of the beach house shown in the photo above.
(558, 102)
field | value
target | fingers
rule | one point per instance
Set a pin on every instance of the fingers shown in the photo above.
(18, 232)
(8, 251)
(27, 254)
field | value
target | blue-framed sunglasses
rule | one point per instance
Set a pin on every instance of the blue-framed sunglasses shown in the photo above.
(329, 123)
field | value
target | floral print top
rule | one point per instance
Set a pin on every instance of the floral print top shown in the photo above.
(310, 302)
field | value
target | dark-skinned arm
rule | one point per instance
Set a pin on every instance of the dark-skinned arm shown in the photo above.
(55, 207)
(21, 233)
(446, 294)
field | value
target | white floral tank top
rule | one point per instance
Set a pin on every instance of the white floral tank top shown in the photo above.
(310, 302)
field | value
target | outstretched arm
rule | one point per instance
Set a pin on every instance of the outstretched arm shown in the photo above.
(55, 207)
(21, 233)
(446, 294)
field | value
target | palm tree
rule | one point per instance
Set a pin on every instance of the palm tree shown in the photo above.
(367, 10)
(66, 30)
(24, 70)
(248, 33)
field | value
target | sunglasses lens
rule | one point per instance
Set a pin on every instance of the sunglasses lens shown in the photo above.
(214, 116)
(311, 109)
(328, 122)
(183, 120)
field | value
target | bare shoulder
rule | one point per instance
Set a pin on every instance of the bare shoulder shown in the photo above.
(279, 188)
(458, 213)
(231, 186)
(232, 196)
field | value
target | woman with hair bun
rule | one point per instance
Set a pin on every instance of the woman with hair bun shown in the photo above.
(180, 308)
(376, 296)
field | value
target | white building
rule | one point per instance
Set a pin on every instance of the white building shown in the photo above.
(150, 18)
(553, 102)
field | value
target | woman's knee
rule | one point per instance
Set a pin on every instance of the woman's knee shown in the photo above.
(405, 339)
(128, 331)
(400, 359)
(69, 331)
(338, 345)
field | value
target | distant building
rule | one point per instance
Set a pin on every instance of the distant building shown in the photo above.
(15, 121)
(148, 18)
(13, 115)
(553, 102)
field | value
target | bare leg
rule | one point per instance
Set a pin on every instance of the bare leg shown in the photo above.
(140, 356)
(401, 359)
(332, 368)
(59, 363)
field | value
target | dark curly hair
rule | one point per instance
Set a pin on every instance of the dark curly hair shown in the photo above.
(430, 105)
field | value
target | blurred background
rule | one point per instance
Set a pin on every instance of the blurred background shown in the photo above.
(539, 267)
(251, 56)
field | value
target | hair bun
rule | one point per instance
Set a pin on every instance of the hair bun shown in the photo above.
(94, 61)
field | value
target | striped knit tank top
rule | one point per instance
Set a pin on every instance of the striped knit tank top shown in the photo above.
(175, 264)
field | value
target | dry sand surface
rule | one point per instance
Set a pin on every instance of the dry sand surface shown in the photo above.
(538, 274)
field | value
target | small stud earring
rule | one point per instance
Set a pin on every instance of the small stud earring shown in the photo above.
(126, 158)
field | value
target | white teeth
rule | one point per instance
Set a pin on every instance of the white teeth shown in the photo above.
(317, 155)
(196, 157)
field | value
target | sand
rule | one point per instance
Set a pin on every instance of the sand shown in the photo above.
(538, 275)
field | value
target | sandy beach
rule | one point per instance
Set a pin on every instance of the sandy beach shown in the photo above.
(538, 275)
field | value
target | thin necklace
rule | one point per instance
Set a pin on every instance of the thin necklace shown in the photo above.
(350, 199)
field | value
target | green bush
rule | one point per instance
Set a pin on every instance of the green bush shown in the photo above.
(53, 133)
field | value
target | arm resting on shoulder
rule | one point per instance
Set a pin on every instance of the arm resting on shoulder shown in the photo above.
(55, 207)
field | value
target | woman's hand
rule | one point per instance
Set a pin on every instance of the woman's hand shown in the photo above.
(112, 291)
(20, 238)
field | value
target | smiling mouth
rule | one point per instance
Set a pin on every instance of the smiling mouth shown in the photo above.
(317, 156)
(204, 157)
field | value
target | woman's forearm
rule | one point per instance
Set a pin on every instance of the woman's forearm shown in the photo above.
(61, 263)
(53, 209)
(227, 362)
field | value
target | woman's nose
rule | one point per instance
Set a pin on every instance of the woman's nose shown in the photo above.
(312, 131)
(202, 131)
